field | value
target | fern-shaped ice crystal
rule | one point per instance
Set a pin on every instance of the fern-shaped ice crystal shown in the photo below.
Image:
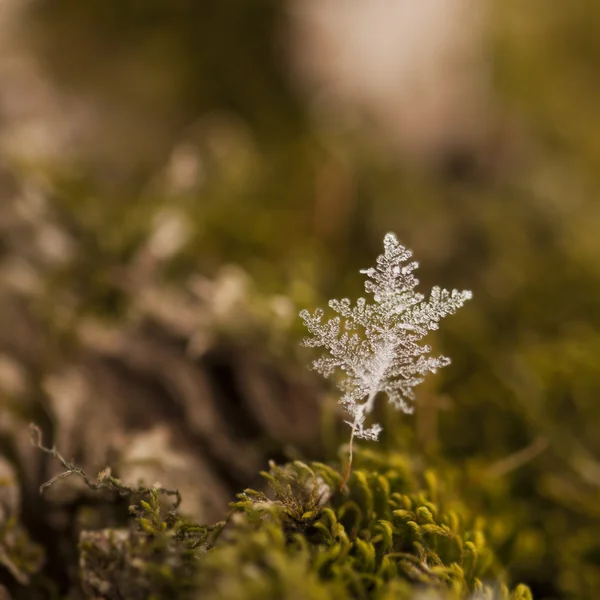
(375, 346)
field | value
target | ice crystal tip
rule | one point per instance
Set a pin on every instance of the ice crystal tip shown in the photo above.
(390, 239)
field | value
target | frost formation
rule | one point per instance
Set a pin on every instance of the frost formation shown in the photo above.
(375, 346)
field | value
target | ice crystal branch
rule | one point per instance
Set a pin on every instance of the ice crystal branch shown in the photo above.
(375, 346)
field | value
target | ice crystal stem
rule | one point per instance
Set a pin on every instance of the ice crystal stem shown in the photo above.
(349, 466)
(366, 408)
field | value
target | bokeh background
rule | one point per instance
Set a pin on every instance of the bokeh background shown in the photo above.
(179, 178)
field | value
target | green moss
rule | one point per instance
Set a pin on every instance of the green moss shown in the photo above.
(382, 537)
(391, 531)
(156, 558)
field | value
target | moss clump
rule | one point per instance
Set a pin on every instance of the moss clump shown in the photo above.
(156, 558)
(381, 538)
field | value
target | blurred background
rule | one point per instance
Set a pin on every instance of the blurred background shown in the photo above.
(179, 178)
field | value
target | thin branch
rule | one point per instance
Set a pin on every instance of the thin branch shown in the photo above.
(104, 481)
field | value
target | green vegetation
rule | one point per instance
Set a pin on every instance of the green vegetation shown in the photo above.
(390, 533)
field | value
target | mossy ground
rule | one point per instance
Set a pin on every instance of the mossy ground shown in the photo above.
(387, 533)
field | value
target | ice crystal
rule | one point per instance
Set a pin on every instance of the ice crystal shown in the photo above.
(374, 347)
